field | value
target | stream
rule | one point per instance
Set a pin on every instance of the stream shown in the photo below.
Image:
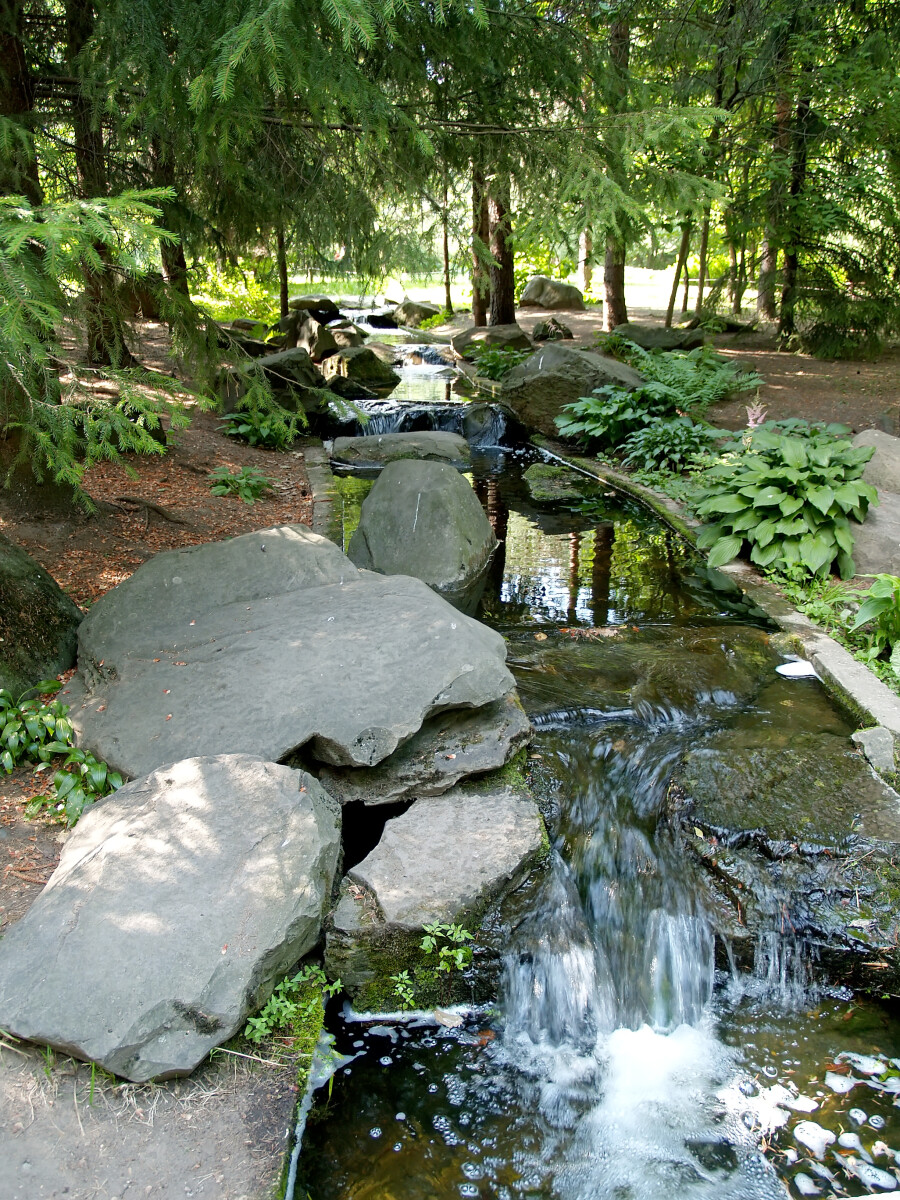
(629, 1055)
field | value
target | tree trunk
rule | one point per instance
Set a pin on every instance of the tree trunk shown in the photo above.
(679, 265)
(503, 284)
(18, 165)
(104, 330)
(800, 157)
(281, 257)
(765, 292)
(687, 289)
(586, 247)
(704, 246)
(174, 264)
(481, 236)
(445, 231)
(614, 310)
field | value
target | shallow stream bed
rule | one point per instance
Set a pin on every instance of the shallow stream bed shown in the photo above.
(627, 1055)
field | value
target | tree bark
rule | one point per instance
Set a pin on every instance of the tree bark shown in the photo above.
(765, 291)
(586, 247)
(18, 168)
(281, 257)
(682, 259)
(799, 162)
(503, 286)
(481, 236)
(445, 231)
(704, 246)
(104, 330)
(614, 310)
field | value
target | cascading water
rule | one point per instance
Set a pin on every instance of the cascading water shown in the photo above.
(620, 1064)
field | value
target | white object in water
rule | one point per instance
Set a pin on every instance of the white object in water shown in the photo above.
(866, 1064)
(806, 1186)
(813, 1136)
(870, 1176)
(850, 1141)
(840, 1083)
(799, 669)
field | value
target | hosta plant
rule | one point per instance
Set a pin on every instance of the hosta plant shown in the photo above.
(790, 499)
(879, 619)
(32, 730)
(667, 444)
(611, 413)
(247, 483)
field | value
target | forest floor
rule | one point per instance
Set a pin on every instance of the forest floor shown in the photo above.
(222, 1132)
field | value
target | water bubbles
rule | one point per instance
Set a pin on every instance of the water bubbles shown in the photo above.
(813, 1136)
(857, 1116)
(375, 1132)
(805, 1185)
(468, 1189)
(877, 1121)
(749, 1087)
(397, 1147)
(841, 1084)
(771, 1072)
(385, 1060)
(870, 1176)
(432, 1087)
(400, 1116)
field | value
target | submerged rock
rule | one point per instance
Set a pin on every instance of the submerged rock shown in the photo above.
(422, 518)
(38, 622)
(269, 642)
(380, 448)
(177, 904)
(445, 860)
(550, 481)
(447, 749)
(798, 836)
(554, 375)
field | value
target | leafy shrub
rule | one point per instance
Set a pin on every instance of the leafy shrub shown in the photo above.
(437, 320)
(274, 428)
(700, 377)
(32, 730)
(880, 610)
(247, 483)
(291, 1005)
(790, 498)
(449, 946)
(35, 731)
(668, 444)
(493, 362)
(611, 413)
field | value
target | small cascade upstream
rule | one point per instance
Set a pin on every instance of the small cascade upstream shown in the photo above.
(625, 1059)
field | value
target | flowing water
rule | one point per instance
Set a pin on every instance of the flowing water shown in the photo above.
(626, 1057)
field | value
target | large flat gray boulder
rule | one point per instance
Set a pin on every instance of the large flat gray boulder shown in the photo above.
(444, 860)
(422, 518)
(270, 642)
(315, 338)
(543, 292)
(379, 448)
(412, 313)
(498, 337)
(537, 389)
(38, 622)
(447, 749)
(177, 904)
(657, 337)
(315, 304)
(883, 468)
(876, 543)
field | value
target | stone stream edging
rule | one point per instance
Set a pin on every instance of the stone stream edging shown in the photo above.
(850, 682)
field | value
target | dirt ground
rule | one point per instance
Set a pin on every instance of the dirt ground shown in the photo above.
(223, 1132)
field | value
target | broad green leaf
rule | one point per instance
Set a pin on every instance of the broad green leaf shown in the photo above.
(870, 609)
(790, 504)
(725, 549)
(817, 551)
(769, 495)
(846, 565)
(764, 556)
(794, 452)
(843, 536)
(821, 497)
(764, 533)
(894, 660)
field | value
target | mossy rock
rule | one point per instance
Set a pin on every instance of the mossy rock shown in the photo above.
(548, 482)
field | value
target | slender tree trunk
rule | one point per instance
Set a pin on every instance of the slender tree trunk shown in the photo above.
(445, 230)
(281, 258)
(781, 149)
(481, 236)
(800, 158)
(687, 289)
(174, 264)
(503, 286)
(679, 265)
(18, 165)
(704, 246)
(765, 292)
(614, 310)
(586, 248)
(104, 330)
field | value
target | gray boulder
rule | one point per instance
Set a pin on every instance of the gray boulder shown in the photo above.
(349, 389)
(503, 337)
(176, 906)
(378, 448)
(38, 622)
(391, 355)
(448, 748)
(876, 543)
(345, 333)
(291, 374)
(363, 365)
(269, 642)
(537, 389)
(315, 338)
(657, 337)
(413, 312)
(551, 330)
(541, 292)
(445, 860)
(883, 468)
(318, 304)
(423, 519)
